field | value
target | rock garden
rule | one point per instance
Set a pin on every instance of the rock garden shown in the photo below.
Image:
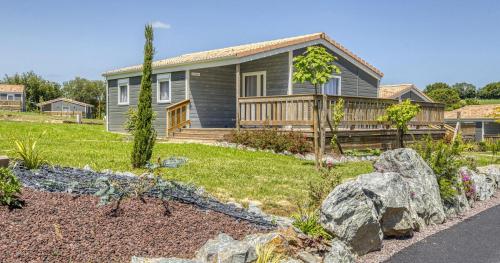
(68, 214)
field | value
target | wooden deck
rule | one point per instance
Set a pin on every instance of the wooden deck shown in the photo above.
(360, 128)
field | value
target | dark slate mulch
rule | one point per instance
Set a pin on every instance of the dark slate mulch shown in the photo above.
(80, 181)
(61, 227)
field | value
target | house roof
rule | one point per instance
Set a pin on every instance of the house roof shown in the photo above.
(64, 99)
(11, 88)
(243, 51)
(396, 90)
(473, 112)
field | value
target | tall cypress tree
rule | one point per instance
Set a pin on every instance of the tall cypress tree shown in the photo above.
(144, 134)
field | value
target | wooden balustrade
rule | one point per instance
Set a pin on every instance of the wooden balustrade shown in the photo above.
(14, 105)
(177, 116)
(359, 112)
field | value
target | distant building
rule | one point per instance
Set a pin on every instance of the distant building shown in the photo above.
(477, 122)
(12, 97)
(402, 92)
(64, 106)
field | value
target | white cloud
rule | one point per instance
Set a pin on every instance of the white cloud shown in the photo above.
(160, 25)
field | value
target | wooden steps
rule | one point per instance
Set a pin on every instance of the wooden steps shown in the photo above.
(200, 134)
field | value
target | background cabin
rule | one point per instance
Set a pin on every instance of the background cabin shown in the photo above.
(66, 107)
(12, 97)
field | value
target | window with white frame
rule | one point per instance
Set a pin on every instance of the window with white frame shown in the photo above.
(163, 88)
(332, 87)
(254, 84)
(10, 97)
(123, 92)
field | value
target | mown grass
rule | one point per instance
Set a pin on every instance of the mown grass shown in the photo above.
(489, 101)
(484, 158)
(279, 182)
(40, 117)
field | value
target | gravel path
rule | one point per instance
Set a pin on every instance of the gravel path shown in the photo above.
(393, 246)
(57, 227)
(473, 240)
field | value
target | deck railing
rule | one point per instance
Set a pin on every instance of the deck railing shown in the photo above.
(14, 105)
(177, 116)
(359, 112)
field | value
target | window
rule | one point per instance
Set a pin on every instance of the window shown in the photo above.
(332, 87)
(163, 88)
(254, 84)
(10, 96)
(65, 108)
(123, 92)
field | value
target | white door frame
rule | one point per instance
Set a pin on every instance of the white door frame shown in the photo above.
(256, 73)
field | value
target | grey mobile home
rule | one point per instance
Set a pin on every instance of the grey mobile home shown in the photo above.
(64, 106)
(209, 80)
(12, 97)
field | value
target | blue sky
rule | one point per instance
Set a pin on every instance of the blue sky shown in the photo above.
(410, 41)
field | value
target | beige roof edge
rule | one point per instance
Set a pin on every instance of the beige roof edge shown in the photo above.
(242, 51)
(411, 87)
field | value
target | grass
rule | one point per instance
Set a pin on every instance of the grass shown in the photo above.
(278, 182)
(39, 117)
(484, 158)
(489, 101)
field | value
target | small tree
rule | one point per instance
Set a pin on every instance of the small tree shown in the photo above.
(399, 115)
(144, 133)
(337, 116)
(316, 67)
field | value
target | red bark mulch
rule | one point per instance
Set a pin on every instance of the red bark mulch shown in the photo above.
(55, 227)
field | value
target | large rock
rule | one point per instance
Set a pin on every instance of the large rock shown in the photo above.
(492, 172)
(339, 253)
(485, 186)
(391, 197)
(424, 188)
(349, 214)
(224, 249)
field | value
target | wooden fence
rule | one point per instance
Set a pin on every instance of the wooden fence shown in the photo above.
(297, 110)
(12, 105)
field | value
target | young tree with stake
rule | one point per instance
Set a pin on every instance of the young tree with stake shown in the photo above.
(316, 67)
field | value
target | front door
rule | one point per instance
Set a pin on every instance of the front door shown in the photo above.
(254, 84)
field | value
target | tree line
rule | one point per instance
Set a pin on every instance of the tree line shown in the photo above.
(38, 90)
(461, 94)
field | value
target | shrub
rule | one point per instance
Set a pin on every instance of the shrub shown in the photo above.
(444, 159)
(129, 124)
(308, 222)
(27, 150)
(490, 91)
(267, 254)
(319, 190)
(10, 187)
(271, 139)
(472, 101)
(113, 191)
(399, 115)
(449, 96)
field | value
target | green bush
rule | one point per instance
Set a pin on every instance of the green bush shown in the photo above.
(308, 222)
(319, 189)
(10, 187)
(29, 152)
(271, 139)
(472, 101)
(444, 159)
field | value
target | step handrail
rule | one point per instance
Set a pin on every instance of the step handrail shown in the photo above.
(177, 116)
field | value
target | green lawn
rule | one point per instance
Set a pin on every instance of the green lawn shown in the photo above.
(484, 158)
(279, 182)
(489, 101)
(39, 117)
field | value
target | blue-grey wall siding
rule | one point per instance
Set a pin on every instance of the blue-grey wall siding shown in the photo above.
(117, 114)
(354, 81)
(276, 68)
(213, 97)
(412, 96)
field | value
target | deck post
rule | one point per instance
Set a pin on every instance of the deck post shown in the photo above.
(324, 112)
(315, 130)
(238, 83)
